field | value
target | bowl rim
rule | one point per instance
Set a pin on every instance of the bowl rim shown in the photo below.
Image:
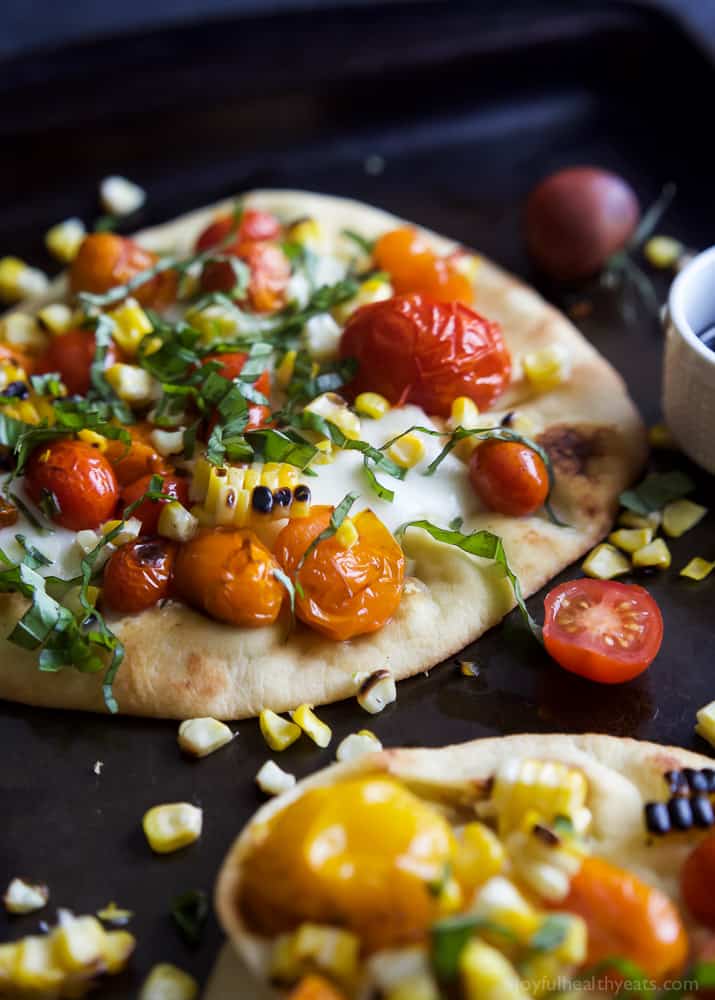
(677, 298)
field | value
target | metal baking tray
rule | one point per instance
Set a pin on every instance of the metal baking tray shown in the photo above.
(463, 114)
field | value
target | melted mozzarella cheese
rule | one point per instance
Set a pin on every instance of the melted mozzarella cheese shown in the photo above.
(59, 545)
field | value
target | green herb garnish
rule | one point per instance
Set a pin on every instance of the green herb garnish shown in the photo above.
(450, 937)
(656, 491)
(190, 911)
(366, 246)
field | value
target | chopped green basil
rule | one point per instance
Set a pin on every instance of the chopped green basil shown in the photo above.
(190, 911)
(656, 491)
(450, 937)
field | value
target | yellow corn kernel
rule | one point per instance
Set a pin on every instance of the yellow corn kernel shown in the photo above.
(55, 318)
(252, 478)
(20, 330)
(375, 289)
(372, 404)
(176, 522)
(548, 787)
(203, 470)
(23, 897)
(631, 539)
(113, 914)
(680, 516)
(546, 367)
(279, 733)
(24, 410)
(656, 554)
(131, 383)
(312, 726)
(420, 986)
(542, 968)
(10, 372)
(64, 240)
(273, 780)
(407, 451)
(97, 441)
(300, 508)
(172, 826)
(19, 281)
(270, 475)
(284, 371)
(325, 452)
(629, 519)
(660, 437)
(34, 968)
(464, 413)
(215, 322)
(479, 855)
(487, 975)
(200, 737)
(129, 530)
(604, 562)
(705, 726)
(168, 982)
(450, 898)
(697, 569)
(78, 943)
(287, 476)
(307, 233)
(120, 196)
(347, 534)
(663, 251)
(356, 745)
(131, 325)
(521, 423)
(332, 407)
(118, 946)
(498, 901)
(314, 947)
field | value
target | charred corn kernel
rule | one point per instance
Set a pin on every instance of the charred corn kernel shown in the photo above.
(64, 240)
(200, 737)
(546, 367)
(486, 974)
(656, 554)
(464, 413)
(278, 732)
(407, 451)
(20, 330)
(629, 519)
(20, 281)
(113, 914)
(131, 383)
(372, 404)
(78, 943)
(120, 196)
(177, 523)
(347, 534)
(332, 407)
(680, 516)
(130, 530)
(312, 726)
(172, 826)
(284, 371)
(550, 788)
(167, 442)
(479, 855)
(214, 322)
(376, 691)
(357, 745)
(23, 897)
(663, 251)
(705, 722)
(631, 539)
(306, 232)
(316, 948)
(97, 441)
(273, 780)
(660, 437)
(541, 862)
(168, 982)
(604, 562)
(697, 569)
(131, 326)
(55, 318)
(375, 289)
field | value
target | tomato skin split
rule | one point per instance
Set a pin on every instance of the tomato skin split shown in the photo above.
(603, 630)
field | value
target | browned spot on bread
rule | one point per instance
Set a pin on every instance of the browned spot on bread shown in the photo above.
(570, 449)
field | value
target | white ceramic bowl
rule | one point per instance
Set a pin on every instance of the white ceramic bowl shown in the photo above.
(689, 368)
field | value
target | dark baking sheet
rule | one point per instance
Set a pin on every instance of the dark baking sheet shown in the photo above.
(467, 115)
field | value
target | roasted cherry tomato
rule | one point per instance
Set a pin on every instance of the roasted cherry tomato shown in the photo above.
(414, 267)
(75, 476)
(603, 630)
(232, 366)
(509, 477)
(139, 574)
(269, 274)
(137, 459)
(697, 881)
(71, 354)
(314, 987)
(627, 918)
(105, 260)
(230, 575)
(346, 591)
(412, 349)
(149, 511)
(17, 358)
(254, 225)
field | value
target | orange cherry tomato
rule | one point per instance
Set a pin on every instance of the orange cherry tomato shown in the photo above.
(315, 988)
(139, 574)
(78, 477)
(412, 349)
(149, 511)
(254, 225)
(105, 260)
(627, 918)
(697, 881)
(71, 354)
(414, 267)
(603, 630)
(346, 591)
(137, 459)
(232, 366)
(229, 574)
(269, 274)
(509, 477)
(18, 358)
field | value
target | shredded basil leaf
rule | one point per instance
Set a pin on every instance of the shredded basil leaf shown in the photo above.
(283, 578)
(99, 386)
(551, 933)
(336, 519)
(450, 937)
(656, 491)
(32, 557)
(365, 245)
(190, 911)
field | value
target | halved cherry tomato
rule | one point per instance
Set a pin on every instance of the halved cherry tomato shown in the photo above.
(603, 630)
(254, 225)
(71, 354)
(509, 477)
(269, 273)
(137, 459)
(149, 511)
(414, 267)
(627, 918)
(139, 574)
(697, 881)
(346, 591)
(232, 366)
(105, 260)
(78, 477)
(412, 349)
(230, 575)
(18, 358)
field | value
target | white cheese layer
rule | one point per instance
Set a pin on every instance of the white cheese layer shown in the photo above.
(59, 545)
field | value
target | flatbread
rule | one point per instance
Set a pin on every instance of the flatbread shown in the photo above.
(180, 664)
(622, 774)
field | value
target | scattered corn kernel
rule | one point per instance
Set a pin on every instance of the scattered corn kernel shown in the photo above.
(306, 232)
(464, 413)
(22, 331)
(131, 383)
(215, 322)
(24, 897)
(630, 539)
(120, 196)
(680, 516)
(372, 404)
(172, 826)
(55, 318)
(663, 251)
(131, 529)
(315, 948)
(200, 737)
(168, 982)
(332, 407)
(375, 289)
(284, 371)
(480, 854)
(660, 437)
(486, 974)
(168, 442)
(273, 780)
(357, 745)
(312, 726)
(604, 562)
(500, 902)
(89, 437)
(113, 914)
(78, 943)
(279, 733)
(177, 523)
(697, 569)
(705, 726)
(20, 281)
(347, 534)
(656, 554)
(629, 519)
(131, 326)
(64, 240)
(547, 367)
(377, 691)
(407, 451)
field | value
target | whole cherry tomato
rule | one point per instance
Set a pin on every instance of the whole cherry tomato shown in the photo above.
(75, 476)
(18, 358)
(149, 511)
(106, 260)
(269, 274)
(603, 630)
(137, 459)
(139, 574)
(229, 574)
(71, 354)
(509, 477)
(697, 881)
(346, 591)
(627, 918)
(254, 225)
(412, 349)
(414, 267)
(232, 366)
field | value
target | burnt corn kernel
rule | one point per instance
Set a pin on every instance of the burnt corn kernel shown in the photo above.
(676, 782)
(16, 390)
(697, 781)
(681, 813)
(657, 817)
(262, 499)
(709, 775)
(702, 809)
(302, 493)
(282, 497)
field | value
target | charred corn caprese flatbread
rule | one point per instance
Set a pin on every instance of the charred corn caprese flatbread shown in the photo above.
(243, 410)
(525, 866)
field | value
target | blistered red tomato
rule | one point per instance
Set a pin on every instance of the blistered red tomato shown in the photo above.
(697, 881)
(106, 260)
(412, 349)
(149, 511)
(414, 267)
(138, 458)
(71, 354)
(269, 270)
(509, 477)
(603, 630)
(139, 575)
(76, 480)
(232, 366)
(254, 225)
